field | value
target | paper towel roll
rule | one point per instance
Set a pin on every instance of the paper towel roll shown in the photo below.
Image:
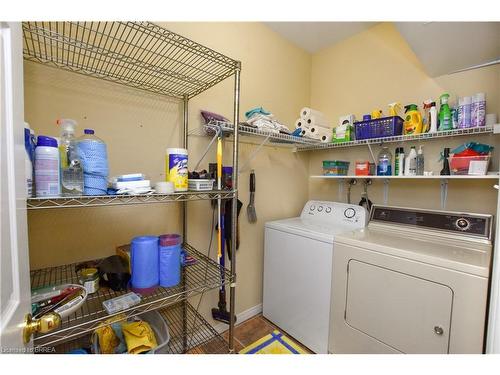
(307, 112)
(317, 131)
(314, 121)
(305, 133)
(300, 123)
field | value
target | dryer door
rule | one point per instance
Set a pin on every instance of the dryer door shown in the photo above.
(409, 314)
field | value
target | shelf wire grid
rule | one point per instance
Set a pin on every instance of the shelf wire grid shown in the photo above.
(123, 200)
(253, 135)
(399, 138)
(202, 338)
(141, 55)
(200, 277)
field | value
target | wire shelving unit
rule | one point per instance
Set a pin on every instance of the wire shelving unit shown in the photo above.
(147, 57)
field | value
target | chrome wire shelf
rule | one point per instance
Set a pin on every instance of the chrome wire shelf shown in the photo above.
(399, 138)
(201, 337)
(200, 277)
(141, 55)
(121, 200)
(252, 135)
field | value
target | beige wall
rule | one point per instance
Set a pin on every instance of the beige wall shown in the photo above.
(377, 67)
(138, 127)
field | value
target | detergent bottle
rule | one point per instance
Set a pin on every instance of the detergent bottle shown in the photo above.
(445, 121)
(376, 113)
(395, 109)
(413, 120)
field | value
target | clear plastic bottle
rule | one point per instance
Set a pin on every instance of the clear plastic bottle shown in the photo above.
(384, 166)
(420, 162)
(70, 164)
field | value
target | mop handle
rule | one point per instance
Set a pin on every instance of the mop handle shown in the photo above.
(219, 187)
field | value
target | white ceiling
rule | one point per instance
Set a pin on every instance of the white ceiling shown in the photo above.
(313, 36)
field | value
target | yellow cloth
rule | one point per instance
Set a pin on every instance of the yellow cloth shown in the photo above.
(274, 343)
(139, 337)
(107, 337)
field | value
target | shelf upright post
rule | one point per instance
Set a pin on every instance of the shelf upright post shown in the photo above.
(184, 230)
(234, 213)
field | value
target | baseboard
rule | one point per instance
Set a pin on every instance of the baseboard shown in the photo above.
(241, 317)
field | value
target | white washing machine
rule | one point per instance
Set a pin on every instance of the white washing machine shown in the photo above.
(412, 281)
(298, 269)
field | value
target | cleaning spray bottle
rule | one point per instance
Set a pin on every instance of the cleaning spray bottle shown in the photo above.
(420, 161)
(445, 121)
(431, 120)
(413, 120)
(411, 163)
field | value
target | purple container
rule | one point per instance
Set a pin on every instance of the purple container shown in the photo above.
(379, 128)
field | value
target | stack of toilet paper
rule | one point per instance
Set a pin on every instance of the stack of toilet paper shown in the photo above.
(314, 125)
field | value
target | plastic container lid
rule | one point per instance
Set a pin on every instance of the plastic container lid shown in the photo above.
(88, 131)
(170, 239)
(43, 140)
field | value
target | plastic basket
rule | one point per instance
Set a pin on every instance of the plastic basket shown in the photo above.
(200, 184)
(379, 128)
(469, 165)
(335, 167)
(159, 327)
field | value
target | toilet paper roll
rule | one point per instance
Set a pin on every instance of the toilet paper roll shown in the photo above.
(317, 131)
(300, 123)
(325, 135)
(307, 112)
(305, 133)
(318, 122)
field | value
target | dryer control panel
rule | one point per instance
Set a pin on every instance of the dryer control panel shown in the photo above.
(467, 223)
(335, 213)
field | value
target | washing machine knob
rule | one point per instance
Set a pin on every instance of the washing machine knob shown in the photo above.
(320, 208)
(349, 213)
(328, 210)
(462, 224)
(312, 208)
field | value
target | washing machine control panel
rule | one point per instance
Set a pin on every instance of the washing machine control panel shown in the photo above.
(332, 213)
(472, 224)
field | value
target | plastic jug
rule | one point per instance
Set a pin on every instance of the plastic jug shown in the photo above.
(413, 120)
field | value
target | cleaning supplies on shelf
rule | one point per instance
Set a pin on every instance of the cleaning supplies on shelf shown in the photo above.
(170, 259)
(470, 159)
(420, 162)
(335, 168)
(445, 120)
(478, 110)
(47, 176)
(94, 158)
(411, 163)
(384, 165)
(446, 165)
(344, 132)
(376, 113)
(362, 168)
(29, 158)
(144, 262)
(413, 120)
(464, 112)
(430, 119)
(70, 164)
(176, 163)
(399, 161)
(395, 109)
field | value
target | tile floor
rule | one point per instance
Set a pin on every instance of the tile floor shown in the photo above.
(253, 329)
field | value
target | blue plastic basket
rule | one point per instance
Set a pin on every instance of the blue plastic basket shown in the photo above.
(379, 128)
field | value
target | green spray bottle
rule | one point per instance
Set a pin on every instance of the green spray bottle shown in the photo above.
(445, 121)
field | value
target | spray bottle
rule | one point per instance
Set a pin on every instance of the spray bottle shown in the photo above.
(445, 121)
(431, 119)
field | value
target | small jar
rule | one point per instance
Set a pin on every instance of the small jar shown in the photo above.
(89, 278)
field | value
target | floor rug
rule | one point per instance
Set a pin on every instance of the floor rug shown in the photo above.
(274, 343)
